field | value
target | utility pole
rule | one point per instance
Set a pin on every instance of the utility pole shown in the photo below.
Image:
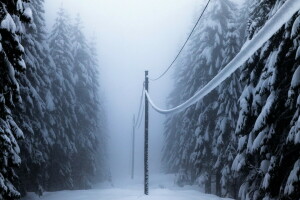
(133, 140)
(146, 170)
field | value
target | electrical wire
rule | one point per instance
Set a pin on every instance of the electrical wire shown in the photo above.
(282, 16)
(186, 41)
(141, 119)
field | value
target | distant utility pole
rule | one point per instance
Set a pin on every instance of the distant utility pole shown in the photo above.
(133, 141)
(146, 170)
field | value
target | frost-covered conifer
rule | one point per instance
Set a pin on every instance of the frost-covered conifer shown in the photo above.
(64, 117)
(268, 152)
(33, 115)
(209, 55)
(194, 128)
(102, 170)
(224, 140)
(89, 133)
(12, 16)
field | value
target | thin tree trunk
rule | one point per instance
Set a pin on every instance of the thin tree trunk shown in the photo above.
(218, 184)
(208, 185)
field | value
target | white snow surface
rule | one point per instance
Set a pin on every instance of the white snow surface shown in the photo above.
(283, 15)
(161, 188)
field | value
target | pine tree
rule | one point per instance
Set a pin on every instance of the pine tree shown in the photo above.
(225, 141)
(87, 110)
(100, 130)
(12, 16)
(267, 160)
(291, 189)
(64, 117)
(210, 51)
(33, 115)
(170, 158)
(192, 131)
(179, 141)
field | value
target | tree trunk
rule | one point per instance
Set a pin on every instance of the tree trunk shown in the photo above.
(208, 185)
(234, 191)
(218, 184)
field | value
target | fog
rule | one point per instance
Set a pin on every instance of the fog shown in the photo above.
(132, 36)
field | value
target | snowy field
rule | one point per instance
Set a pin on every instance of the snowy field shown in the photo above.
(161, 188)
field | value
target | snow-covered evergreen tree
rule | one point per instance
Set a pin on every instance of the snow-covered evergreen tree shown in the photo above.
(64, 117)
(88, 109)
(61, 114)
(192, 131)
(179, 142)
(224, 141)
(12, 16)
(210, 51)
(102, 171)
(33, 115)
(268, 152)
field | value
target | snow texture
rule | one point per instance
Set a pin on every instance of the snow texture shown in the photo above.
(296, 78)
(293, 178)
(49, 101)
(8, 24)
(282, 16)
(28, 13)
(161, 188)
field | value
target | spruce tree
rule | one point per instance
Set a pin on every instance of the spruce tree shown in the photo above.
(267, 159)
(210, 52)
(100, 129)
(225, 141)
(194, 128)
(12, 16)
(64, 116)
(33, 115)
(88, 109)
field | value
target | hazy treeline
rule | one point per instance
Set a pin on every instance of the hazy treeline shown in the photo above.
(52, 133)
(243, 139)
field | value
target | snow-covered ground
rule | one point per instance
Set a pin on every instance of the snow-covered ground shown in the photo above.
(161, 188)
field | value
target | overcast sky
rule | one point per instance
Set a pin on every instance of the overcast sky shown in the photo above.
(132, 36)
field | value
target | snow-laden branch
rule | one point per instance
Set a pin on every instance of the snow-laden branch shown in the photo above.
(285, 13)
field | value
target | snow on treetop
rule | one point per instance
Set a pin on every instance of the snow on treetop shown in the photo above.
(8, 23)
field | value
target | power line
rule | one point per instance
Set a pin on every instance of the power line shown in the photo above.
(285, 13)
(154, 79)
(141, 119)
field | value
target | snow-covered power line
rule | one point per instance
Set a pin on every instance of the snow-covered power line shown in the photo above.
(184, 44)
(288, 9)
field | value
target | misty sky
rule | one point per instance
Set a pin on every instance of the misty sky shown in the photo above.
(132, 35)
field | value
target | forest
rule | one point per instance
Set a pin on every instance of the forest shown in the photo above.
(240, 141)
(52, 120)
(243, 136)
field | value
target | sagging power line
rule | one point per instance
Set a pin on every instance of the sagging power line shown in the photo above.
(286, 12)
(136, 123)
(186, 41)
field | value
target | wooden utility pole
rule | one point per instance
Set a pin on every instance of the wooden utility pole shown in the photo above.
(146, 170)
(133, 141)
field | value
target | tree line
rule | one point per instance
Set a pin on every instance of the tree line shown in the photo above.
(243, 139)
(52, 120)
